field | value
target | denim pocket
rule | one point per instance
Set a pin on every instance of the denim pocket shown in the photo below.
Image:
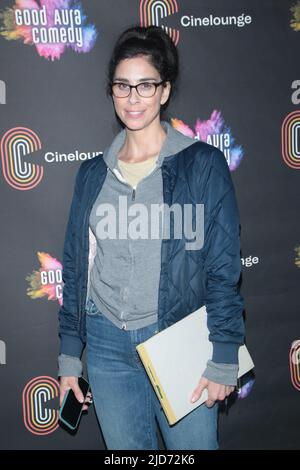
(91, 308)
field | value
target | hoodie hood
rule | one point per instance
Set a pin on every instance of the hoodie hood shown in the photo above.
(174, 142)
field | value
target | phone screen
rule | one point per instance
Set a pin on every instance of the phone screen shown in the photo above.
(71, 408)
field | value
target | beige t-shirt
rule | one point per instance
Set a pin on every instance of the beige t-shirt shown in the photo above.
(133, 172)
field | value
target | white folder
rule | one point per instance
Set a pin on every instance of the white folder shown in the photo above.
(175, 359)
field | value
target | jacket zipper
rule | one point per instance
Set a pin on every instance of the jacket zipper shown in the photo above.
(86, 215)
(81, 303)
(120, 178)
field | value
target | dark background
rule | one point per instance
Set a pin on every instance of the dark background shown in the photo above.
(246, 73)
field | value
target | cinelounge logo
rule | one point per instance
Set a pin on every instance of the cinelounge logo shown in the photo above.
(20, 142)
(15, 144)
(212, 20)
(290, 146)
(250, 261)
(295, 364)
(39, 413)
(153, 12)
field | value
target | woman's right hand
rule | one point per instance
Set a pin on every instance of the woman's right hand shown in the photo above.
(72, 382)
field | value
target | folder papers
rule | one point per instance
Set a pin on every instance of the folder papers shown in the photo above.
(175, 359)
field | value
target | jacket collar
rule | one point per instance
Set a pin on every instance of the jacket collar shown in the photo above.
(174, 142)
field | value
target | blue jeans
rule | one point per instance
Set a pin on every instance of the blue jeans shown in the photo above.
(125, 402)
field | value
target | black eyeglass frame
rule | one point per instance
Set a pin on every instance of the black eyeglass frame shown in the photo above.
(156, 84)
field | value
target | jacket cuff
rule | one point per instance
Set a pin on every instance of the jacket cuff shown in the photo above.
(225, 374)
(225, 352)
(69, 366)
(71, 345)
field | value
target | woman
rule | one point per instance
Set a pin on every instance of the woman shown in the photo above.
(122, 286)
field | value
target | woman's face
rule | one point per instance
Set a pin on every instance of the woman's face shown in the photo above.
(135, 111)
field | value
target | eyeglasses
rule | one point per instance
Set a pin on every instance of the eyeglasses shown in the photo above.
(144, 89)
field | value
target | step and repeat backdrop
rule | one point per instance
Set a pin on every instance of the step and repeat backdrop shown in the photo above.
(239, 90)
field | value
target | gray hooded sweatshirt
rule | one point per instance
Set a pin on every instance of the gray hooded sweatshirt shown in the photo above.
(125, 275)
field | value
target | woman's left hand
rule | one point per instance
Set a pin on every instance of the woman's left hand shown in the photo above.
(215, 391)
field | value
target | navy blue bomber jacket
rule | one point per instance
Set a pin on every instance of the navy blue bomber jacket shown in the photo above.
(198, 174)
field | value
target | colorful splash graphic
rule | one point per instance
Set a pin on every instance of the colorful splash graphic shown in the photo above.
(214, 132)
(51, 26)
(297, 259)
(46, 282)
(295, 21)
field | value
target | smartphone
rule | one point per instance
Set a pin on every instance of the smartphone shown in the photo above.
(71, 409)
